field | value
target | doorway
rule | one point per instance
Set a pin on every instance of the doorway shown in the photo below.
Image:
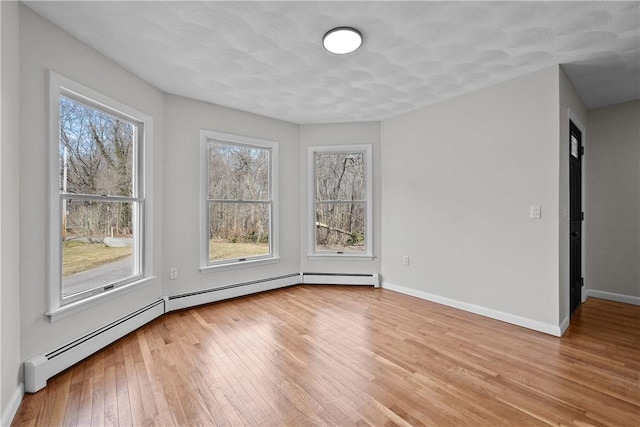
(576, 217)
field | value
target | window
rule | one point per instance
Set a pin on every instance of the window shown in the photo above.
(239, 182)
(340, 210)
(97, 187)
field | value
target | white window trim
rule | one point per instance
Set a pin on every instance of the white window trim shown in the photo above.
(60, 85)
(205, 265)
(311, 195)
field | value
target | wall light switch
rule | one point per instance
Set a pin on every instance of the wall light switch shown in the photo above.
(173, 273)
(535, 212)
(405, 260)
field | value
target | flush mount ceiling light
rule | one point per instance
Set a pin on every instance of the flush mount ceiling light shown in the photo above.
(342, 40)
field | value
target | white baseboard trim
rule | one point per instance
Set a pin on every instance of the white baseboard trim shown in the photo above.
(178, 302)
(12, 408)
(536, 325)
(628, 299)
(565, 325)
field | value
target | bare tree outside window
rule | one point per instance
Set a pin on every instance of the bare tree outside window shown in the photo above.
(340, 201)
(239, 201)
(97, 155)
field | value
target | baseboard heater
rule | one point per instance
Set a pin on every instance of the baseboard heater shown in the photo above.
(39, 369)
(177, 302)
(341, 279)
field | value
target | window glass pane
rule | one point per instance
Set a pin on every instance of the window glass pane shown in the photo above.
(340, 227)
(237, 172)
(340, 176)
(96, 151)
(97, 244)
(238, 230)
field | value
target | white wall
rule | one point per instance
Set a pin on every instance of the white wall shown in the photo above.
(183, 120)
(612, 217)
(458, 179)
(10, 360)
(42, 47)
(340, 134)
(571, 107)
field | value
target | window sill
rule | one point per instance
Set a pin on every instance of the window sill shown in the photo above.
(75, 307)
(349, 257)
(239, 264)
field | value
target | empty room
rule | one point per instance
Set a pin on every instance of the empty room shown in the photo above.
(319, 213)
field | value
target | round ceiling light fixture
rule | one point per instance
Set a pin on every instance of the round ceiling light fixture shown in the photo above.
(342, 40)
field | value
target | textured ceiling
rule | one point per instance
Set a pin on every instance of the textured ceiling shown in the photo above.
(267, 57)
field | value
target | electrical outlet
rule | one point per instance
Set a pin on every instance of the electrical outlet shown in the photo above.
(173, 273)
(405, 260)
(535, 212)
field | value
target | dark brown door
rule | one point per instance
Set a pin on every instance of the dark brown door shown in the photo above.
(575, 216)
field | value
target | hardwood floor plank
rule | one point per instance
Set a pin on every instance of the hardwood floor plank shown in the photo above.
(43, 404)
(124, 409)
(60, 397)
(138, 415)
(110, 399)
(351, 356)
(86, 400)
(164, 364)
(97, 400)
(155, 403)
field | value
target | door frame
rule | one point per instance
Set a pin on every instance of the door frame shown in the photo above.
(566, 144)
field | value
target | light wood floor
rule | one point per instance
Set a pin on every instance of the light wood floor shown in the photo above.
(330, 355)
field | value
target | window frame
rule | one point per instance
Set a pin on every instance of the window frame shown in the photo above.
(367, 151)
(59, 306)
(274, 256)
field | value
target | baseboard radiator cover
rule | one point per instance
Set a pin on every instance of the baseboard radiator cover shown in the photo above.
(341, 279)
(39, 369)
(191, 299)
